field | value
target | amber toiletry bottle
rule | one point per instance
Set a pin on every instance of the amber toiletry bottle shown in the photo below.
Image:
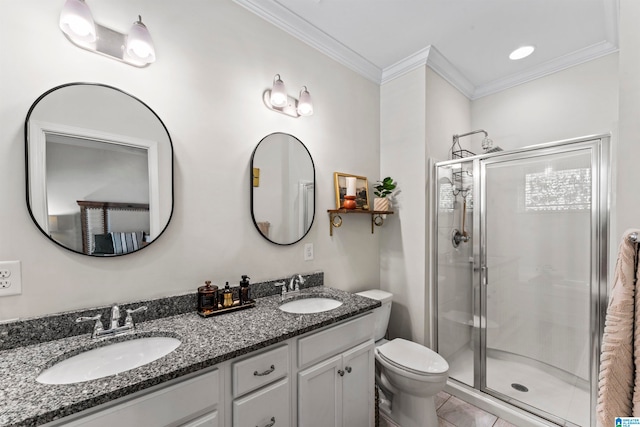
(207, 298)
(244, 289)
(227, 296)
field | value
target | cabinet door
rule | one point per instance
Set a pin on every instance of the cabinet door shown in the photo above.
(358, 386)
(320, 394)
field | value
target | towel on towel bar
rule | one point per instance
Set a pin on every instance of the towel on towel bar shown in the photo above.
(619, 379)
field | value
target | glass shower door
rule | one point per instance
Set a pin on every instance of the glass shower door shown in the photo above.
(455, 295)
(536, 256)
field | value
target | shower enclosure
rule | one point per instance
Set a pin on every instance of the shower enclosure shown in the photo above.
(519, 274)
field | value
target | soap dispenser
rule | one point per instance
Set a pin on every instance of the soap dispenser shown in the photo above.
(207, 299)
(227, 296)
(244, 290)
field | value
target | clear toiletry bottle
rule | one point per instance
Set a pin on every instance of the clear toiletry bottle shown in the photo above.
(244, 290)
(207, 298)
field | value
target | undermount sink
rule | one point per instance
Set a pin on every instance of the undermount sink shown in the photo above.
(108, 360)
(310, 305)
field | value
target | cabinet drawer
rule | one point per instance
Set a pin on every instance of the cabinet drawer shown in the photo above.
(264, 407)
(167, 406)
(207, 420)
(256, 371)
(329, 342)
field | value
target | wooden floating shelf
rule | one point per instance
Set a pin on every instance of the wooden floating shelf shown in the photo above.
(335, 220)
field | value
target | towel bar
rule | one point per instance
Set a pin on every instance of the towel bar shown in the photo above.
(633, 237)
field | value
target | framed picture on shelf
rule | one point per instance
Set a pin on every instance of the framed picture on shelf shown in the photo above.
(362, 190)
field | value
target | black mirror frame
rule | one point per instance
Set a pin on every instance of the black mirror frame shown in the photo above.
(255, 223)
(26, 147)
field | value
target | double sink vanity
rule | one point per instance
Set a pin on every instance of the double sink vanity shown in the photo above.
(301, 358)
(306, 360)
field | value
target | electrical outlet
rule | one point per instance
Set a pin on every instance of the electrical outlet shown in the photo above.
(10, 278)
(308, 251)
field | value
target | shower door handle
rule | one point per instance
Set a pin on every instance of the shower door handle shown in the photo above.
(485, 275)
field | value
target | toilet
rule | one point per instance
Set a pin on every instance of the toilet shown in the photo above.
(408, 375)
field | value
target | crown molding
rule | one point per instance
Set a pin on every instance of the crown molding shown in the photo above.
(293, 24)
(441, 65)
(574, 58)
(299, 28)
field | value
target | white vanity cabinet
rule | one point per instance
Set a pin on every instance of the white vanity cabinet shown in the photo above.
(323, 378)
(190, 403)
(262, 389)
(338, 390)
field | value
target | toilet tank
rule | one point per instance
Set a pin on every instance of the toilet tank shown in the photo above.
(381, 313)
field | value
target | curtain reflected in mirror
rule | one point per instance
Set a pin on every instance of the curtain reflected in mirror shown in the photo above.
(282, 189)
(99, 170)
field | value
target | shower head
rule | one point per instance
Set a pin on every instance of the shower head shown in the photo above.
(487, 143)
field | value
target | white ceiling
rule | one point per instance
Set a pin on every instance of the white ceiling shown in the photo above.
(465, 41)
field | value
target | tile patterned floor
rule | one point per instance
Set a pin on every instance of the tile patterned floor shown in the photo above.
(453, 412)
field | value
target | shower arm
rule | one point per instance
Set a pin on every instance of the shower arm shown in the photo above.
(472, 133)
(456, 138)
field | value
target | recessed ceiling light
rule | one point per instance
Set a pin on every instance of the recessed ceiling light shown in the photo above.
(521, 52)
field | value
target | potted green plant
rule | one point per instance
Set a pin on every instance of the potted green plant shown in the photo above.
(383, 189)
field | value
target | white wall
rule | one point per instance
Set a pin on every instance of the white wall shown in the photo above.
(626, 204)
(420, 112)
(579, 101)
(214, 60)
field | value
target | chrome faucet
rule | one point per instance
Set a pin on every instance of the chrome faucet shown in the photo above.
(115, 317)
(295, 282)
(292, 288)
(115, 329)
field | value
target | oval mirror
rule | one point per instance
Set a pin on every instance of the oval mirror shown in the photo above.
(283, 182)
(99, 169)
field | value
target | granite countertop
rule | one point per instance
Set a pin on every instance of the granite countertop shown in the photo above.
(205, 342)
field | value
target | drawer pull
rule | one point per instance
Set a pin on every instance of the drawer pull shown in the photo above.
(348, 369)
(271, 424)
(262, 374)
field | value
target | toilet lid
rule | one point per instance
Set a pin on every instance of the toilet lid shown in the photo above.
(413, 357)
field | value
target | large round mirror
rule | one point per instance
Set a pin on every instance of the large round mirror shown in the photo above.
(99, 169)
(283, 181)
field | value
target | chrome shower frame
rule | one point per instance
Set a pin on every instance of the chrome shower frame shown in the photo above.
(601, 171)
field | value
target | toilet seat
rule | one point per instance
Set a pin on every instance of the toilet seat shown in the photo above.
(412, 357)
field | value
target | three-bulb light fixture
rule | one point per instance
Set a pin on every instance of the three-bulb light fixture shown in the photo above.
(135, 48)
(277, 99)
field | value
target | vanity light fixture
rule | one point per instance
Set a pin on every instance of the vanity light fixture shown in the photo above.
(77, 23)
(276, 99)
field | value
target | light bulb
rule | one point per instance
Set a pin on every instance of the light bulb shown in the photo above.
(76, 21)
(139, 44)
(521, 52)
(278, 92)
(305, 107)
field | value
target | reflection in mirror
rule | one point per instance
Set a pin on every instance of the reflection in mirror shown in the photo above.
(99, 170)
(282, 188)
